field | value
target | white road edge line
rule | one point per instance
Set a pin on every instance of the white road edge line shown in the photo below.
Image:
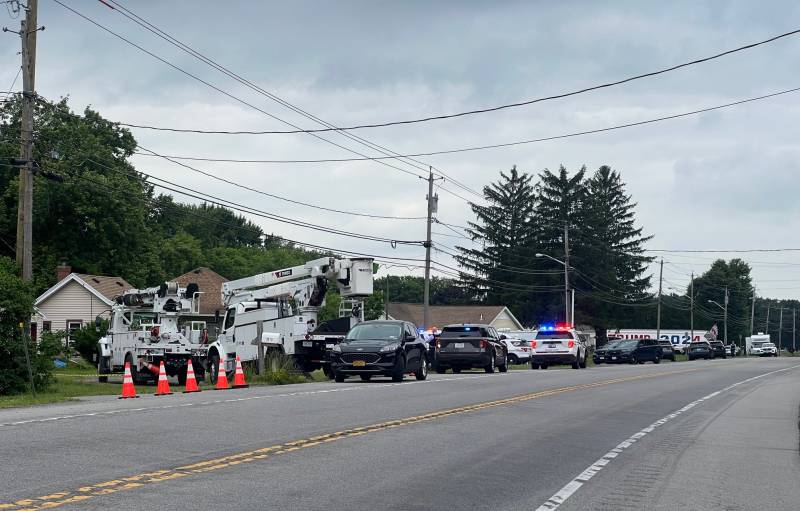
(232, 400)
(575, 484)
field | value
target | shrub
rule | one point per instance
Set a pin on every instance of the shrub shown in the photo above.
(280, 369)
(85, 339)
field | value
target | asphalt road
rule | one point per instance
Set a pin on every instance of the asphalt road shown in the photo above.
(719, 434)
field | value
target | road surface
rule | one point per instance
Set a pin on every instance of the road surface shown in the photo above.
(719, 434)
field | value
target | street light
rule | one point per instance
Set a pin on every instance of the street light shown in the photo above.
(570, 314)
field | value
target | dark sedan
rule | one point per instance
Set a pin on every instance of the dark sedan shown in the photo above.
(635, 351)
(388, 348)
(700, 349)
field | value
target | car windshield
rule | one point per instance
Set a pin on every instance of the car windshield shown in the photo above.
(375, 332)
(767, 345)
(554, 335)
(464, 331)
(627, 344)
(610, 344)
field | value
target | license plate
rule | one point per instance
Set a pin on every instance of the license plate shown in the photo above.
(359, 363)
(613, 358)
(308, 344)
(459, 345)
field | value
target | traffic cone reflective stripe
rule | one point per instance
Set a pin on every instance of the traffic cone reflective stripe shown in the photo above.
(191, 381)
(163, 383)
(238, 377)
(128, 390)
(222, 377)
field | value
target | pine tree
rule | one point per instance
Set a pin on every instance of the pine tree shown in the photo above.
(610, 261)
(504, 227)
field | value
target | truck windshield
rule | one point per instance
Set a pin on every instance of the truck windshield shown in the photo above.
(375, 332)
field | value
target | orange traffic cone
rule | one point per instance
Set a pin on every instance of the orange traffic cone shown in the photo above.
(128, 391)
(163, 383)
(222, 377)
(191, 381)
(238, 376)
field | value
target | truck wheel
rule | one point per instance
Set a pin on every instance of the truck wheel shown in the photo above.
(213, 368)
(534, 366)
(182, 376)
(103, 368)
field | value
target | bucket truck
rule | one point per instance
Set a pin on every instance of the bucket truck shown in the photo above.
(148, 326)
(276, 312)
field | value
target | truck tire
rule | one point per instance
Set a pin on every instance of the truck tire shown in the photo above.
(103, 368)
(213, 367)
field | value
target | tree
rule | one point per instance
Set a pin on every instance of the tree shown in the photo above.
(497, 272)
(609, 253)
(711, 286)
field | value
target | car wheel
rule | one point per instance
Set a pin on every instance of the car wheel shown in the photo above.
(422, 373)
(633, 360)
(534, 366)
(339, 377)
(504, 366)
(456, 370)
(399, 370)
(544, 366)
(583, 362)
(657, 360)
(513, 360)
(366, 377)
(490, 368)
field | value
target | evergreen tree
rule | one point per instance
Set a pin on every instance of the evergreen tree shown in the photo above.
(504, 226)
(609, 252)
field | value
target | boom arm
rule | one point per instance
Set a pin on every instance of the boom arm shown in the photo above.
(353, 277)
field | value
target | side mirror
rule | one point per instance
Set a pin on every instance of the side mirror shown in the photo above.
(216, 316)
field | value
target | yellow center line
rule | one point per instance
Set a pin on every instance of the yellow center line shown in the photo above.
(137, 481)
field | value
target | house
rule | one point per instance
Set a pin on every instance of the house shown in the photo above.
(497, 316)
(76, 299)
(210, 283)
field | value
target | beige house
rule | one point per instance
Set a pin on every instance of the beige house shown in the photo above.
(497, 316)
(77, 299)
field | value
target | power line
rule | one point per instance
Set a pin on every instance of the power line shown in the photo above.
(329, 126)
(506, 144)
(733, 251)
(506, 106)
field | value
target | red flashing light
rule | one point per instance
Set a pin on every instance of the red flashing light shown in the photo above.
(533, 344)
(571, 343)
(562, 327)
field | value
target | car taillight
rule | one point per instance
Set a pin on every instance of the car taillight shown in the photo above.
(484, 343)
(571, 343)
(533, 344)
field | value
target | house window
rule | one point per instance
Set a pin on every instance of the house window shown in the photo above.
(46, 326)
(34, 332)
(72, 325)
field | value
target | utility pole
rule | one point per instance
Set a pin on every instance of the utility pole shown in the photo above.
(567, 300)
(658, 314)
(691, 307)
(794, 324)
(766, 323)
(753, 312)
(780, 331)
(27, 33)
(433, 201)
(726, 316)
(386, 299)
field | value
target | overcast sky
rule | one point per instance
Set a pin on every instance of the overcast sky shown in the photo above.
(721, 180)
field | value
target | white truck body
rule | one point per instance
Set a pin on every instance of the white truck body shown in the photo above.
(754, 342)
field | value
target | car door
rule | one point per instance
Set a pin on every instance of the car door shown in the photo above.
(412, 347)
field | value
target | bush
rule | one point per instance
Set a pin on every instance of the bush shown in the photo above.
(85, 340)
(280, 369)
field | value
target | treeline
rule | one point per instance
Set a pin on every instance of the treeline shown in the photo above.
(95, 211)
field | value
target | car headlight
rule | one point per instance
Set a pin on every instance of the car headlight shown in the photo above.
(336, 348)
(390, 347)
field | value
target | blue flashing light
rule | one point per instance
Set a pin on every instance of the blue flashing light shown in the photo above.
(467, 329)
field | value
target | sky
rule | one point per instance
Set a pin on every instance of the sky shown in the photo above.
(726, 179)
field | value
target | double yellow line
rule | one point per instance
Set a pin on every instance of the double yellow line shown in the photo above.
(140, 480)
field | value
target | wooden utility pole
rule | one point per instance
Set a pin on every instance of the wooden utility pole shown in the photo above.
(567, 311)
(780, 332)
(658, 314)
(27, 33)
(426, 297)
(691, 307)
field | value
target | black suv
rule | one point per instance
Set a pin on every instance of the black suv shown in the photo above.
(667, 350)
(635, 351)
(718, 349)
(467, 346)
(389, 348)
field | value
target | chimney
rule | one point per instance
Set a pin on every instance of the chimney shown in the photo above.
(62, 271)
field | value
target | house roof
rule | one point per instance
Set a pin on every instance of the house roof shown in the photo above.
(103, 287)
(210, 283)
(442, 315)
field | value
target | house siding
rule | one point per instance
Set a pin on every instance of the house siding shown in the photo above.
(504, 320)
(72, 302)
